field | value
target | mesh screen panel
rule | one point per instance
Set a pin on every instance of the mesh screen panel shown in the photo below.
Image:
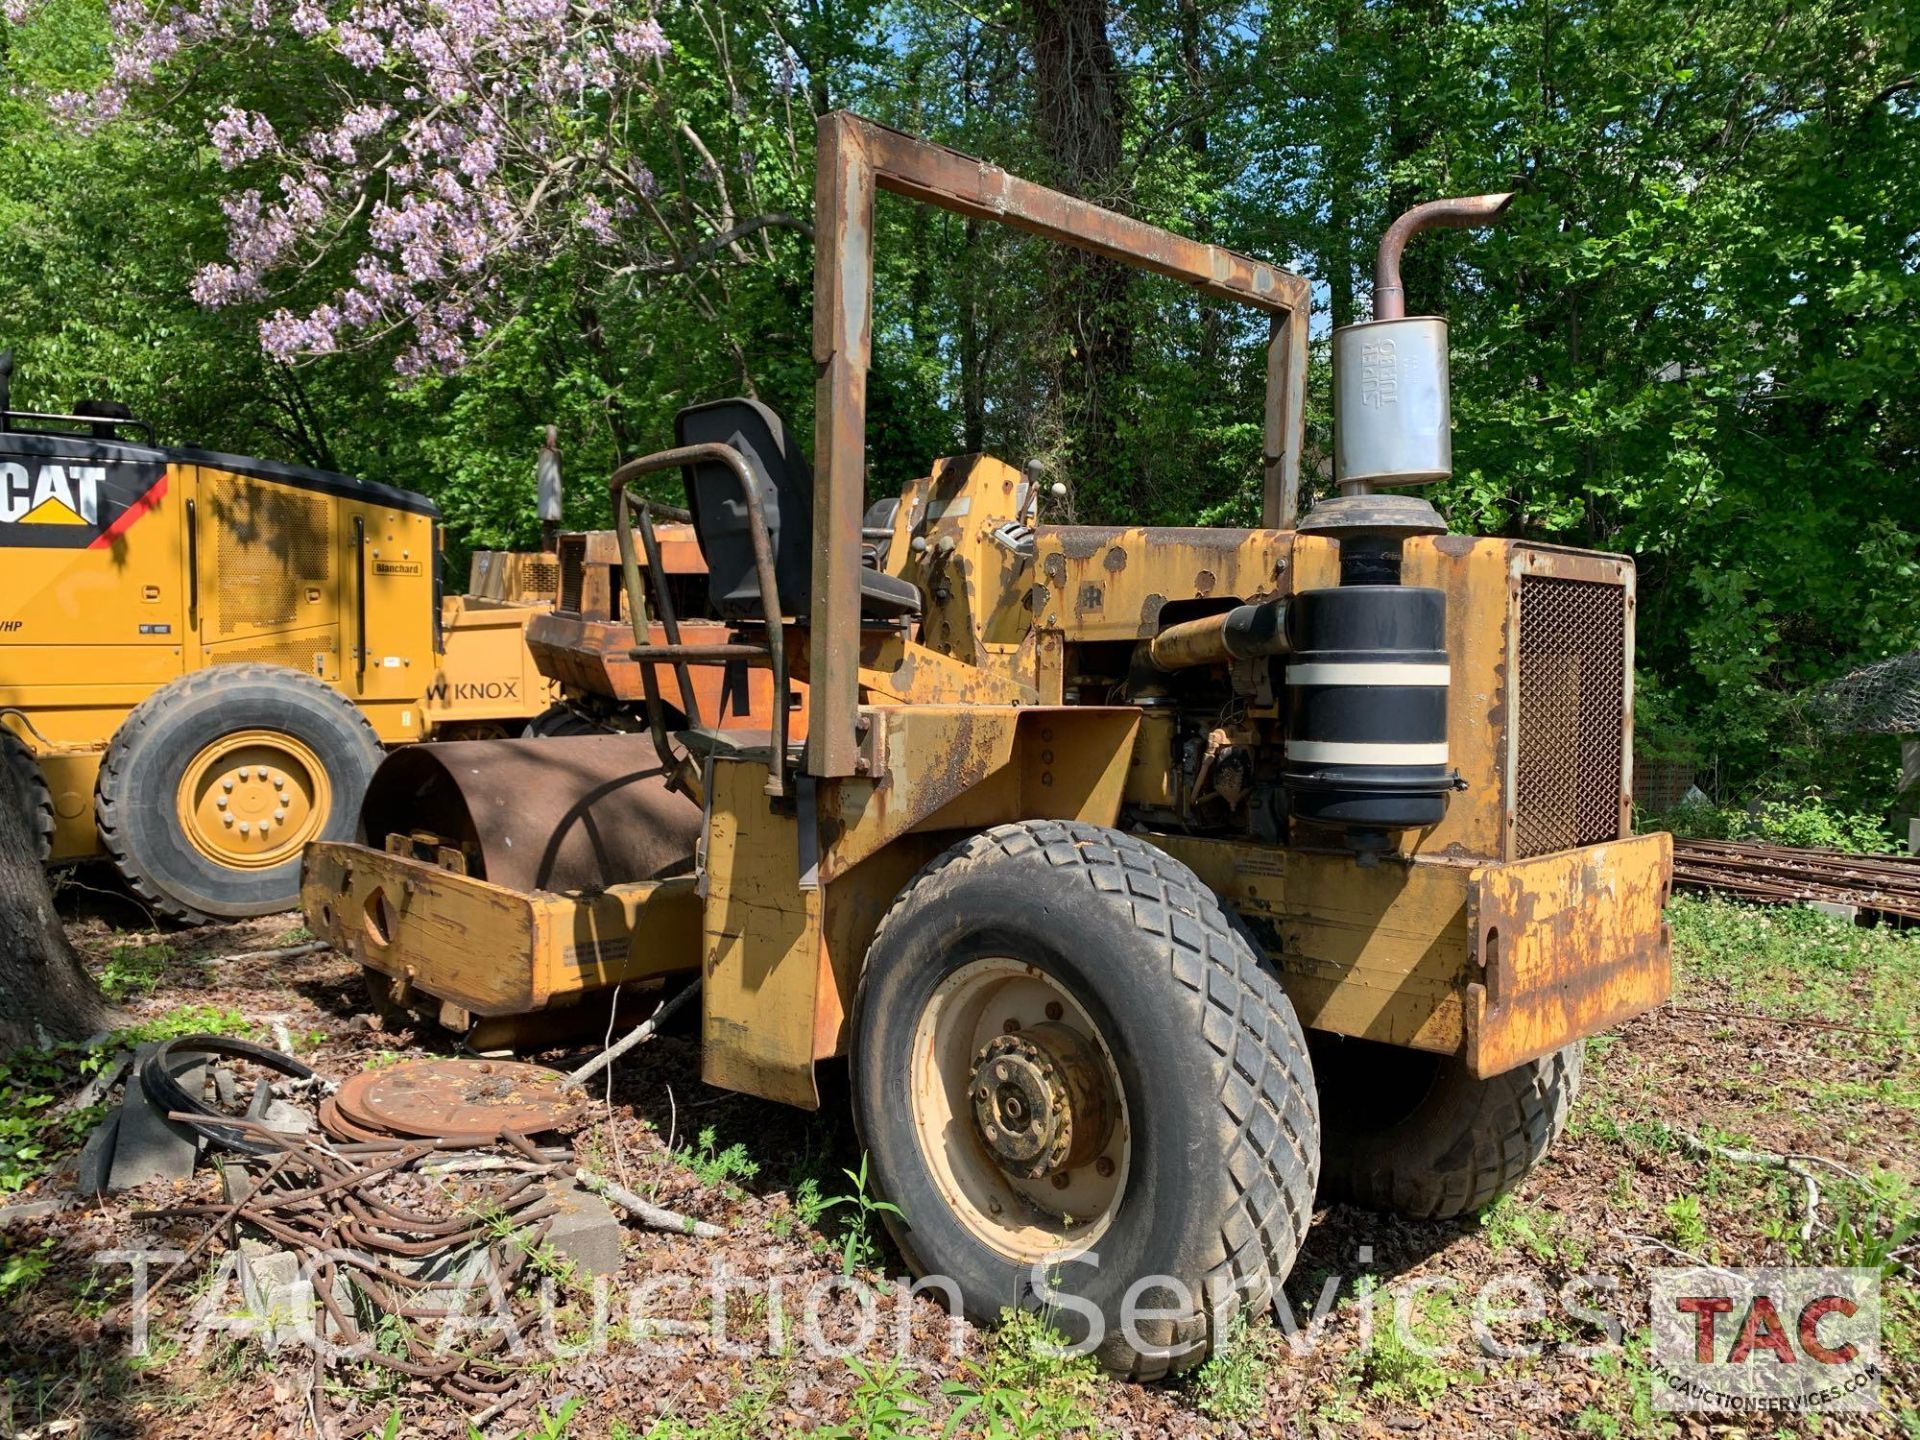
(573, 572)
(273, 543)
(1569, 751)
(539, 578)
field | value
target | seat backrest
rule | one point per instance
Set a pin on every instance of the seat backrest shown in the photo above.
(720, 518)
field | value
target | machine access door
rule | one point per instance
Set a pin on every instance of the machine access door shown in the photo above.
(265, 563)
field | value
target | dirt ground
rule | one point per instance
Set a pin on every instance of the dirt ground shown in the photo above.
(1790, 1035)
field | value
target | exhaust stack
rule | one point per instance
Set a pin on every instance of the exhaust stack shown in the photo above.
(1392, 398)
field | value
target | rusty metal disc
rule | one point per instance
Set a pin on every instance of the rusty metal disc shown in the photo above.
(345, 1130)
(471, 1101)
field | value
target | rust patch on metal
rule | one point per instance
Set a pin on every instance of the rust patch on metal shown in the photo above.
(1204, 582)
(1150, 609)
(1454, 545)
(1054, 568)
(1195, 537)
(1116, 560)
(1082, 542)
(1567, 945)
(470, 1101)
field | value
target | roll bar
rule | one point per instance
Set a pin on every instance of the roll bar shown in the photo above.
(856, 158)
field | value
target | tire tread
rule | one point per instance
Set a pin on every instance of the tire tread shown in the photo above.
(1266, 1098)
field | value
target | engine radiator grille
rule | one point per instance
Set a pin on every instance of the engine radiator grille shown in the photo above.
(573, 572)
(1570, 744)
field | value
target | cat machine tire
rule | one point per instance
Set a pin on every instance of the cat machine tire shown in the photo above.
(216, 782)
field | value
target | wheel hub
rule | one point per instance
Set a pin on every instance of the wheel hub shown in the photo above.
(253, 798)
(1040, 1101)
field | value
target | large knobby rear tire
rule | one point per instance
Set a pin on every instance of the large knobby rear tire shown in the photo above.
(216, 782)
(34, 791)
(1411, 1133)
(1100, 974)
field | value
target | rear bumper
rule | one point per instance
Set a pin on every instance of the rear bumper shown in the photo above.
(1498, 963)
(485, 949)
(1566, 945)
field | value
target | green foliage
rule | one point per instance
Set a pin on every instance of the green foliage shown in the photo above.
(1811, 821)
(34, 1133)
(1686, 1224)
(1392, 1369)
(1232, 1384)
(714, 1166)
(22, 1270)
(1875, 1225)
(858, 1242)
(133, 970)
(883, 1406)
(1026, 1387)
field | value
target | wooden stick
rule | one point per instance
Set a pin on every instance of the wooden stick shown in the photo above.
(659, 1217)
(639, 1035)
(284, 952)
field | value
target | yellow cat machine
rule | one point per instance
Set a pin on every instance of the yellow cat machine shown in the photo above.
(202, 656)
(1148, 880)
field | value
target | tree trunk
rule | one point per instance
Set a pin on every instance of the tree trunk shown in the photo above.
(44, 989)
(1079, 110)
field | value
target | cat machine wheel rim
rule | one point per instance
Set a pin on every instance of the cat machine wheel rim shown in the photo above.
(1018, 1109)
(252, 799)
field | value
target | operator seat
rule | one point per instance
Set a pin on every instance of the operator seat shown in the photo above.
(785, 482)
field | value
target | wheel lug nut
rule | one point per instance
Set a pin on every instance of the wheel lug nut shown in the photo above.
(220, 802)
(1054, 1010)
(981, 1094)
(243, 827)
(262, 772)
(1103, 1167)
(226, 784)
(279, 782)
(227, 820)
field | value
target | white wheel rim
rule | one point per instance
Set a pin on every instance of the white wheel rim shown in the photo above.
(1021, 1218)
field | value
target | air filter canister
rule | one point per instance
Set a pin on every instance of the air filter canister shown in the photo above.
(1367, 737)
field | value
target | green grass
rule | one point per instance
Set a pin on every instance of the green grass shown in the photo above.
(1025, 1387)
(1790, 961)
(33, 1138)
(1232, 1385)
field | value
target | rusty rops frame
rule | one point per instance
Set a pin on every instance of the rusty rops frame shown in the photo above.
(858, 158)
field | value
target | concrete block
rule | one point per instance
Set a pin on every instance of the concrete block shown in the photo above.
(1913, 836)
(29, 1210)
(288, 1118)
(150, 1146)
(1837, 909)
(96, 1156)
(585, 1230)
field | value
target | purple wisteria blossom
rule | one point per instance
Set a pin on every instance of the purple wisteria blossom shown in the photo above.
(441, 144)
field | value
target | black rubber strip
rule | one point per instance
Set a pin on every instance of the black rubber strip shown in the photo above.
(167, 1095)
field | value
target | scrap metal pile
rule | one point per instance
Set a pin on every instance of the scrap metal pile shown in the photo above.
(385, 1232)
(1887, 886)
(368, 1216)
